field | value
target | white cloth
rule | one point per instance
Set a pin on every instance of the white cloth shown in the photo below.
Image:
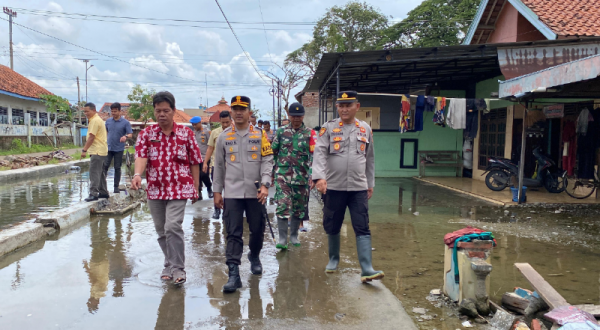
(582, 121)
(457, 114)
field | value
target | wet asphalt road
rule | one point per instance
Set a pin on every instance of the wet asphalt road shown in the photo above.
(105, 273)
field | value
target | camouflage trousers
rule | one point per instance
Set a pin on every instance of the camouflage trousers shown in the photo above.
(292, 200)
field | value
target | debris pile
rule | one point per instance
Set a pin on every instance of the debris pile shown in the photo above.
(124, 202)
(14, 162)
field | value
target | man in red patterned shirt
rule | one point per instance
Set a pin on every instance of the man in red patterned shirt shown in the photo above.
(170, 155)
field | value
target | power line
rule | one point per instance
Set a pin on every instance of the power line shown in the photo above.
(99, 53)
(87, 16)
(262, 18)
(239, 43)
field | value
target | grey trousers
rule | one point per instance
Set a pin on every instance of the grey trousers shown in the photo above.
(97, 176)
(168, 217)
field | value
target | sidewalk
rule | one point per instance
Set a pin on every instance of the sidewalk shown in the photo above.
(478, 189)
(69, 152)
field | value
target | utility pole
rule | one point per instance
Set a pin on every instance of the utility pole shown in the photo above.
(78, 100)
(206, 84)
(10, 14)
(86, 61)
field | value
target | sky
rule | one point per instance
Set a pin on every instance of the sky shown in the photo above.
(187, 49)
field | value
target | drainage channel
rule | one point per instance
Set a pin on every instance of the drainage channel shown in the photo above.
(23, 200)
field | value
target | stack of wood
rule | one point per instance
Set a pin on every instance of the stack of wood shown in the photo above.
(25, 161)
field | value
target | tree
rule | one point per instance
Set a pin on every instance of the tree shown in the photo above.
(57, 104)
(141, 107)
(293, 75)
(432, 23)
(357, 26)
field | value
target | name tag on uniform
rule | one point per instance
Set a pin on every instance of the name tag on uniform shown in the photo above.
(230, 143)
(254, 141)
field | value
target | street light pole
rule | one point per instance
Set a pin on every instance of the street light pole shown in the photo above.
(86, 61)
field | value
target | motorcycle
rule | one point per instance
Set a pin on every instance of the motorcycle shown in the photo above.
(502, 173)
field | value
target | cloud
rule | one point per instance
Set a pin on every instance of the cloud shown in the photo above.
(284, 40)
(110, 4)
(211, 43)
(54, 26)
(143, 37)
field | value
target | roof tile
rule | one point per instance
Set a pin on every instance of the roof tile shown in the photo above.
(568, 17)
(12, 82)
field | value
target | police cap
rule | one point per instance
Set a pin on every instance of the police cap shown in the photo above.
(346, 97)
(242, 101)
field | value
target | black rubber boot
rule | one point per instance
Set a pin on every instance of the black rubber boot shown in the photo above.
(334, 253)
(363, 248)
(200, 195)
(210, 192)
(234, 281)
(217, 213)
(294, 225)
(255, 265)
(282, 227)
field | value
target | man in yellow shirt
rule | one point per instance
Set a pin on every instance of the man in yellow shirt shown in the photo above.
(97, 147)
(225, 118)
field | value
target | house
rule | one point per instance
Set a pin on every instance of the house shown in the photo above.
(575, 26)
(200, 111)
(215, 110)
(20, 96)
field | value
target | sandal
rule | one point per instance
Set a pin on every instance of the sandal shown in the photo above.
(179, 276)
(166, 274)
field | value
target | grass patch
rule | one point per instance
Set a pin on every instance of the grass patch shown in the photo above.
(4, 168)
(131, 150)
(17, 147)
(76, 156)
(53, 161)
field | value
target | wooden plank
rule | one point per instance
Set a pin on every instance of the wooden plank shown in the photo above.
(590, 308)
(543, 288)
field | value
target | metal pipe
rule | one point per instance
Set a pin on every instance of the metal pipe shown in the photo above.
(337, 91)
(522, 159)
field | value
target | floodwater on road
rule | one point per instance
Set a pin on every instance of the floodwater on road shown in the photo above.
(23, 199)
(105, 274)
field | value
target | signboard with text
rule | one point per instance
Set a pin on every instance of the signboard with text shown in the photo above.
(554, 111)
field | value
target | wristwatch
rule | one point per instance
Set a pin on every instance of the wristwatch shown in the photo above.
(267, 185)
(137, 174)
(83, 150)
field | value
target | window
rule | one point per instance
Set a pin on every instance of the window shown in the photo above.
(492, 136)
(33, 117)
(43, 119)
(4, 115)
(18, 117)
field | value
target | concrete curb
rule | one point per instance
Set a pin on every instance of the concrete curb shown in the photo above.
(19, 236)
(69, 216)
(483, 198)
(38, 171)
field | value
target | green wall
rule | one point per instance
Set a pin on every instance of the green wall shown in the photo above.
(387, 148)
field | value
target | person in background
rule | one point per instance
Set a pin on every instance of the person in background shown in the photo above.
(242, 157)
(292, 155)
(268, 131)
(253, 120)
(202, 137)
(285, 122)
(344, 171)
(96, 147)
(225, 118)
(169, 154)
(260, 124)
(119, 130)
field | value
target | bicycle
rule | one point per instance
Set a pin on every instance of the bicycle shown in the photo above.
(580, 188)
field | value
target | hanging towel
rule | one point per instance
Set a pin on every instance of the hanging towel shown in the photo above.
(420, 108)
(430, 104)
(582, 122)
(457, 114)
(412, 113)
(485, 236)
(404, 113)
(488, 106)
(438, 116)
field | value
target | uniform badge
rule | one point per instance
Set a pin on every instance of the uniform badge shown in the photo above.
(203, 140)
(322, 131)
(341, 124)
(357, 124)
(337, 130)
(230, 149)
(254, 156)
(232, 158)
(363, 139)
(336, 147)
(254, 148)
(231, 133)
(362, 147)
(230, 138)
(337, 139)
(363, 130)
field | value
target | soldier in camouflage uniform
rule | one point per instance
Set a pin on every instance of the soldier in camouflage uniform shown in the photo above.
(292, 155)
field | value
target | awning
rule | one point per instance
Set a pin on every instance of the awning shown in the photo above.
(572, 79)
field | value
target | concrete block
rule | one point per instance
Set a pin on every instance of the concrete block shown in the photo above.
(19, 236)
(69, 216)
(39, 171)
